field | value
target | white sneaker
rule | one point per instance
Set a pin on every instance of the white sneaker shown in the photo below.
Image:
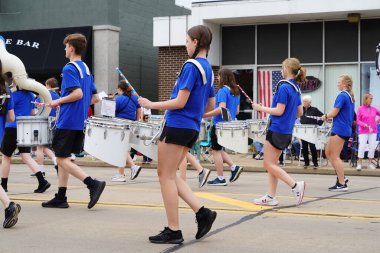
(266, 201)
(202, 178)
(73, 157)
(299, 192)
(359, 167)
(118, 178)
(371, 167)
(135, 171)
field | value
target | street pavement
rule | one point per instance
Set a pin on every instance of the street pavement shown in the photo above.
(129, 212)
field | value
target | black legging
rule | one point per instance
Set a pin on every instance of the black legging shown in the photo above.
(305, 152)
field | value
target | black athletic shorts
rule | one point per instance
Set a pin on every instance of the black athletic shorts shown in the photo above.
(179, 136)
(346, 138)
(279, 141)
(9, 143)
(214, 140)
(66, 142)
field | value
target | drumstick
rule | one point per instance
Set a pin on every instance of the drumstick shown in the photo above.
(40, 104)
(126, 80)
(5, 96)
(245, 94)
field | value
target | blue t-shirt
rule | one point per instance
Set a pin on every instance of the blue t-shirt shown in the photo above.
(232, 102)
(9, 105)
(287, 95)
(342, 123)
(190, 116)
(72, 115)
(54, 96)
(126, 106)
(23, 105)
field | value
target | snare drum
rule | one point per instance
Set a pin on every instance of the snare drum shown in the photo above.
(312, 133)
(257, 129)
(108, 139)
(233, 135)
(33, 131)
(145, 137)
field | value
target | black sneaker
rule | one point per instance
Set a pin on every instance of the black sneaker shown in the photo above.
(42, 187)
(167, 236)
(43, 174)
(306, 165)
(56, 203)
(205, 218)
(95, 192)
(316, 166)
(11, 215)
(339, 188)
(236, 173)
(345, 180)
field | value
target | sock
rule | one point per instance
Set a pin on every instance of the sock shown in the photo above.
(221, 178)
(294, 186)
(42, 168)
(233, 167)
(89, 181)
(201, 209)
(40, 177)
(54, 159)
(61, 192)
(4, 183)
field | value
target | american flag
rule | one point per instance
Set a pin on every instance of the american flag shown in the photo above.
(267, 80)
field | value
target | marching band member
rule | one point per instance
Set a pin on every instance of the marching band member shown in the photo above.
(7, 114)
(228, 96)
(203, 173)
(366, 119)
(23, 106)
(78, 91)
(286, 107)
(192, 94)
(51, 84)
(343, 115)
(127, 107)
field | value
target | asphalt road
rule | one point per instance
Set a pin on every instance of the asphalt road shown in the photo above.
(129, 212)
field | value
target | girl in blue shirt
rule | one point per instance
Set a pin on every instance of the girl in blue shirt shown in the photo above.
(127, 107)
(228, 97)
(192, 95)
(11, 209)
(343, 115)
(286, 107)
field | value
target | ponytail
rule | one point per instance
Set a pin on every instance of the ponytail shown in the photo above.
(347, 80)
(227, 78)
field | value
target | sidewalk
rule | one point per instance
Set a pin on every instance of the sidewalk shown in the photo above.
(245, 160)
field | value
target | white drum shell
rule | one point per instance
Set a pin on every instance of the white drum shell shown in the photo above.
(256, 130)
(233, 135)
(142, 136)
(108, 139)
(33, 131)
(315, 134)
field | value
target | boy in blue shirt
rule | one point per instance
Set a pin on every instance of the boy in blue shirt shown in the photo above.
(78, 92)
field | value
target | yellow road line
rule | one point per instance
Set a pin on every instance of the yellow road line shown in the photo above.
(230, 201)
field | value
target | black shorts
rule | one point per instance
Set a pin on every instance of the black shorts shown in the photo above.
(346, 138)
(9, 143)
(279, 141)
(179, 136)
(214, 140)
(66, 142)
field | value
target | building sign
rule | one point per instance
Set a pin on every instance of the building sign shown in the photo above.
(42, 51)
(312, 83)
